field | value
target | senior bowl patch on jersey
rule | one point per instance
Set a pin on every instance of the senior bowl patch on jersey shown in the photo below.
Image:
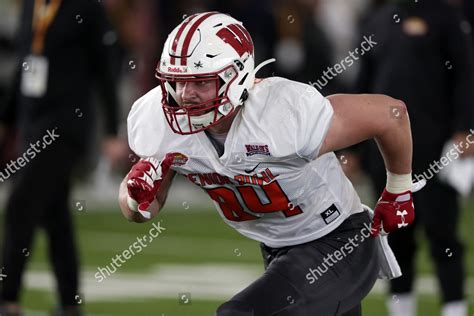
(330, 214)
(179, 159)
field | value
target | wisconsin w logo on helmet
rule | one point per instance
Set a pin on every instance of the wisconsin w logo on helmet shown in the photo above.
(237, 37)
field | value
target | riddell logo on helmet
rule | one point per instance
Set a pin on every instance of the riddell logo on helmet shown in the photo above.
(178, 69)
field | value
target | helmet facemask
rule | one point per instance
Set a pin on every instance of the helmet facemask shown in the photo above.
(192, 118)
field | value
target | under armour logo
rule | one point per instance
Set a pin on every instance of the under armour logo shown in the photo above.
(402, 214)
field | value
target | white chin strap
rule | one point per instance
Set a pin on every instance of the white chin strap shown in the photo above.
(262, 64)
(204, 120)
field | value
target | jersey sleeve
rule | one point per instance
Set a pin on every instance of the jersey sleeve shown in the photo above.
(145, 124)
(313, 119)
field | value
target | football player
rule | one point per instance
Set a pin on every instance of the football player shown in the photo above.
(262, 149)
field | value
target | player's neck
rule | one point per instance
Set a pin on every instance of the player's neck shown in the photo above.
(224, 126)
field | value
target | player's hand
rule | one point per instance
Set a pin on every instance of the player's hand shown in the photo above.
(143, 182)
(394, 211)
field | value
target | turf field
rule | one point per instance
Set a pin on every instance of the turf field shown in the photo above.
(189, 269)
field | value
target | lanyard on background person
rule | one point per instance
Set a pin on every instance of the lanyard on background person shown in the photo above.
(43, 16)
(35, 66)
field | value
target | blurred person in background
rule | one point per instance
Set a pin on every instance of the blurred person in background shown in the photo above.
(7, 137)
(339, 20)
(7, 62)
(302, 50)
(424, 57)
(65, 48)
(136, 24)
(259, 19)
(467, 8)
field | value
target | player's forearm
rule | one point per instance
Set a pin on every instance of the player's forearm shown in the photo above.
(127, 212)
(162, 193)
(395, 141)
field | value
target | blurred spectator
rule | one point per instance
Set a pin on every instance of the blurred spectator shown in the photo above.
(8, 21)
(339, 20)
(303, 52)
(424, 58)
(7, 137)
(259, 20)
(65, 47)
(5, 48)
(136, 23)
(468, 7)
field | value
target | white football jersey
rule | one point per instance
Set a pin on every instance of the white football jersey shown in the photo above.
(267, 184)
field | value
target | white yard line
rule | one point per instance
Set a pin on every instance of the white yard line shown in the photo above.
(203, 281)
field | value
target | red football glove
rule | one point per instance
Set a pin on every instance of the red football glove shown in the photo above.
(392, 212)
(144, 181)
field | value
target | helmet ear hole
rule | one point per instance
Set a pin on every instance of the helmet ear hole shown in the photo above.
(221, 84)
(239, 64)
(244, 96)
(241, 82)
